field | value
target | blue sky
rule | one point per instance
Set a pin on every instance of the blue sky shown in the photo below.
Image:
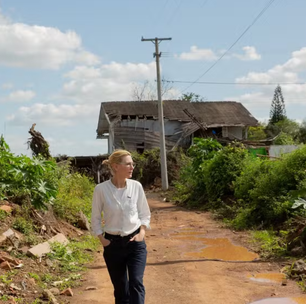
(60, 59)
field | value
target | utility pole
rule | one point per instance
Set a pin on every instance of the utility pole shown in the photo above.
(163, 158)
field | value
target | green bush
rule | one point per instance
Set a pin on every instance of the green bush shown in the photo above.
(257, 133)
(26, 178)
(284, 139)
(220, 173)
(190, 185)
(74, 195)
(246, 191)
(265, 186)
(253, 169)
(202, 150)
(276, 178)
(23, 225)
(3, 215)
(271, 244)
(148, 165)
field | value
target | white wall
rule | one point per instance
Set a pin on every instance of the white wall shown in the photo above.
(232, 132)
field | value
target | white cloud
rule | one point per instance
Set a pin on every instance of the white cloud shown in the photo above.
(294, 93)
(3, 19)
(195, 53)
(18, 143)
(53, 115)
(19, 96)
(59, 144)
(108, 82)
(33, 46)
(287, 72)
(198, 54)
(7, 86)
(87, 87)
(250, 54)
(129, 71)
(84, 72)
(84, 57)
(69, 147)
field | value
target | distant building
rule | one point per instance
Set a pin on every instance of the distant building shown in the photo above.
(134, 124)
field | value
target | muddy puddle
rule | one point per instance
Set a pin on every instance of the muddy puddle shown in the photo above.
(274, 278)
(218, 248)
(296, 300)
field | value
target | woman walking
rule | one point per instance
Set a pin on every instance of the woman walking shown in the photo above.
(126, 216)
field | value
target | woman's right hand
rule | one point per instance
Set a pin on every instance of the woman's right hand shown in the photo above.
(105, 242)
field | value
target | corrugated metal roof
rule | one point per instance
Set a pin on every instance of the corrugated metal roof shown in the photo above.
(213, 113)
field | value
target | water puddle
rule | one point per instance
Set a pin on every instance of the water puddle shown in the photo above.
(296, 300)
(219, 248)
(223, 249)
(276, 278)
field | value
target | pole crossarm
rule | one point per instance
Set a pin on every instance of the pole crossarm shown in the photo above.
(154, 39)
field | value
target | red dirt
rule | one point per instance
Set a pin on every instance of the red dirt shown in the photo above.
(175, 274)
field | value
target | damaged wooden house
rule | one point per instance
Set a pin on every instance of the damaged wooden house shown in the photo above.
(134, 125)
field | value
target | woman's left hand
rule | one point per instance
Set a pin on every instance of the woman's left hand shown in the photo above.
(138, 237)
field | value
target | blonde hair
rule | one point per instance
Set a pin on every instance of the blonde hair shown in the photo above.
(115, 157)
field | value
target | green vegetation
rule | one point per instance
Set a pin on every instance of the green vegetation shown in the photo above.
(285, 132)
(73, 256)
(74, 195)
(23, 225)
(3, 215)
(148, 165)
(38, 188)
(23, 178)
(271, 245)
(247, 192)
(7, 278)
(38, 183)
(277, 112)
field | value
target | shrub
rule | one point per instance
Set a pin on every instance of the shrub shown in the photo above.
(74, 195)
(210, 172)
(284, 139)
(23, 177)
(23, 225)
(220, 172)
(270, 243)
(281, 177)
(266, 186)
(148, 165)
(256, 133)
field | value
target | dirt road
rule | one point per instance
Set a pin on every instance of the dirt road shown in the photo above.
(178, 271)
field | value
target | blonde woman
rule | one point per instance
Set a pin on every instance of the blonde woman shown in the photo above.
(126, 217)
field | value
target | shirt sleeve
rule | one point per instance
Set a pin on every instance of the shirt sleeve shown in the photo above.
(143, 208)
(96, 211)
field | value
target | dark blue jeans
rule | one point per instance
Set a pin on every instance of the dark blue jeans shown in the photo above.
(126, 263)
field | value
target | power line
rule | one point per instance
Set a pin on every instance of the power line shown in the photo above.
(235, 83)
(204, 3)
(174, 12)
(234, 43)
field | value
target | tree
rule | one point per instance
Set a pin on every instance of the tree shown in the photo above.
(302, 132)
(257, 133)
(148, 90)
(286, 126)
(192, 97)
(277, 112)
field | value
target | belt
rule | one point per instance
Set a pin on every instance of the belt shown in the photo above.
(119, 237)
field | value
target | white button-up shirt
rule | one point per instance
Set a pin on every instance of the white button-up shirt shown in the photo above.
(124, 210)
